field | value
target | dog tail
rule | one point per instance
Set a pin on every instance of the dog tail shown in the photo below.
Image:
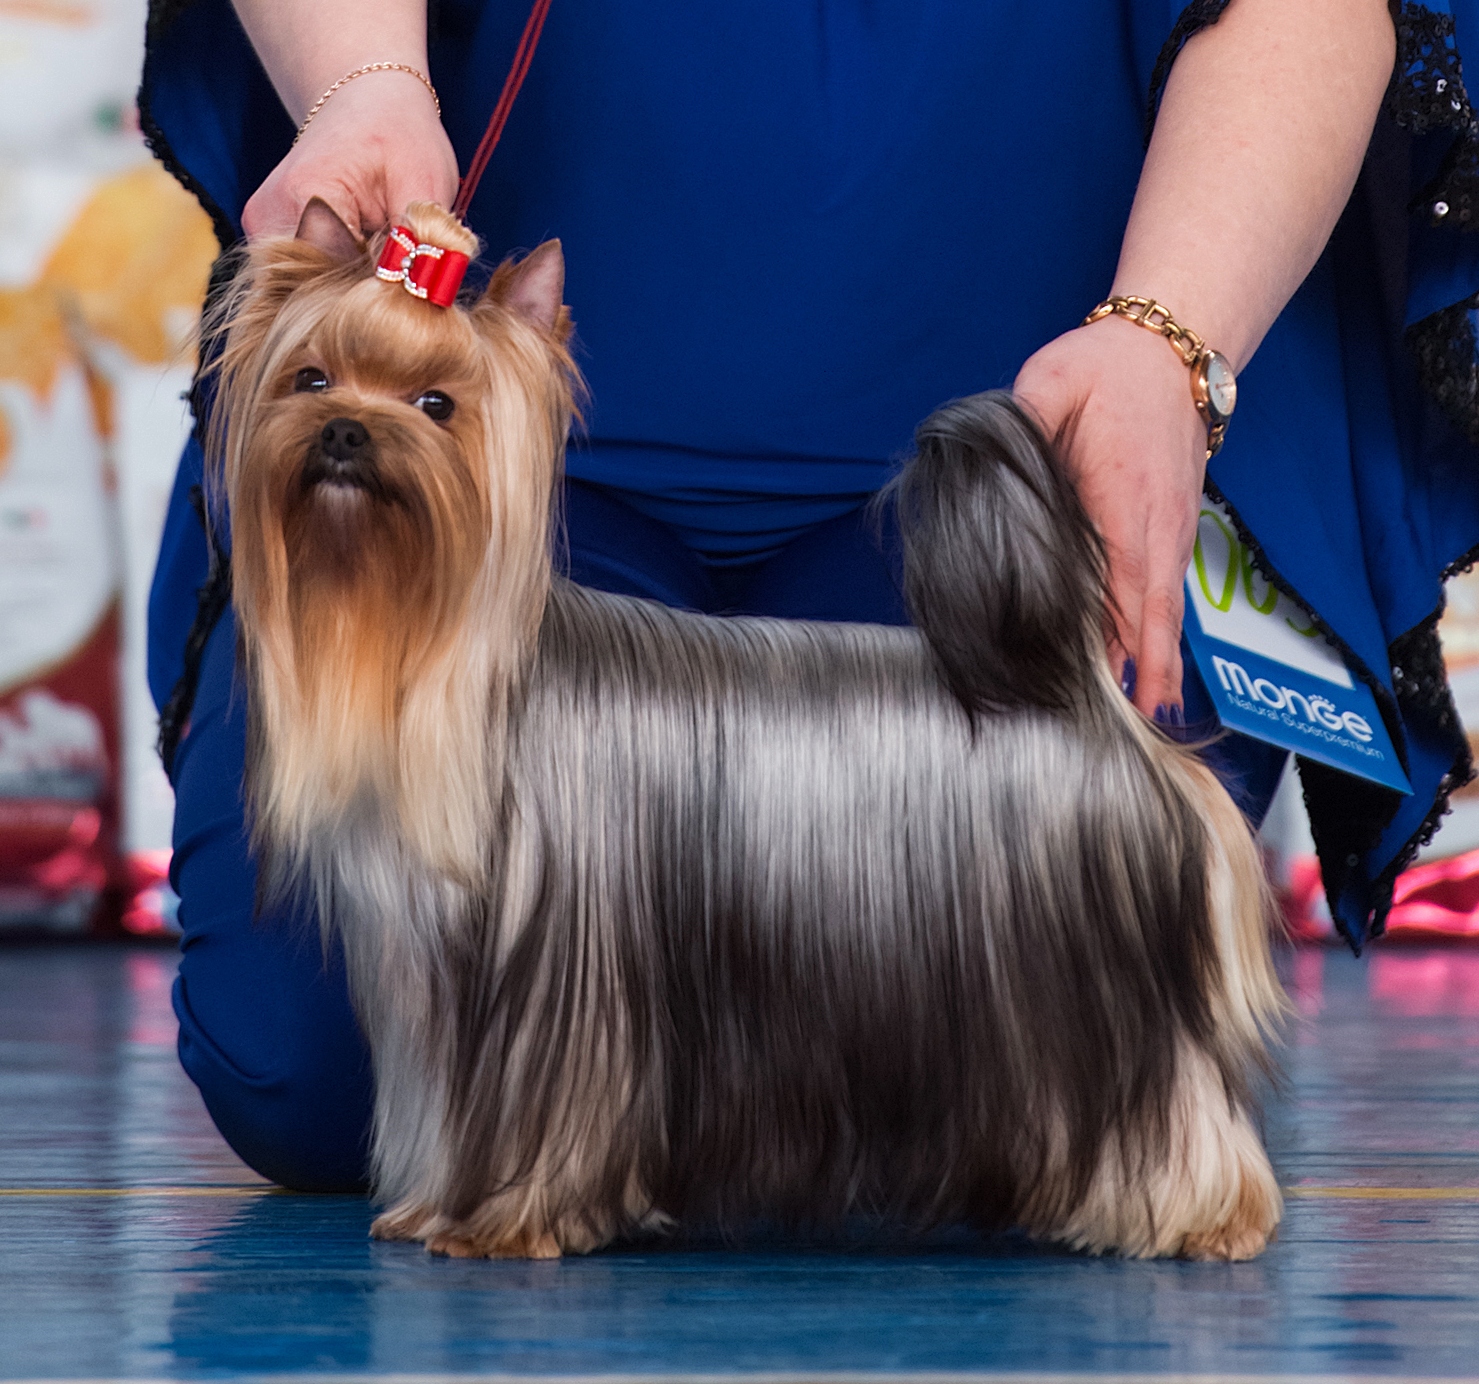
(1004, 571)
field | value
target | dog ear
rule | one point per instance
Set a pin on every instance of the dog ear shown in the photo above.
(534, 287)
(321, 226)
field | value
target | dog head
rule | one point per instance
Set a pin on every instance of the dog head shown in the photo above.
(388, 465)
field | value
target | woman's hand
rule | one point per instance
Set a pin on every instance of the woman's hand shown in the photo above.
(376, 145)
(1136, 447)
(1262, 130)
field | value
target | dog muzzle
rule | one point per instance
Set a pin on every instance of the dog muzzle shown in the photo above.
(425, 271)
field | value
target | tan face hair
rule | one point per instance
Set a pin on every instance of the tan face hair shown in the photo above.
(388, 465)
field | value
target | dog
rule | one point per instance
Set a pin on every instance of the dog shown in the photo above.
(655, 919)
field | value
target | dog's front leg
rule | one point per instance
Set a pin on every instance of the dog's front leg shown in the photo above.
(508, 1185)
(1212, 1196)
(544, 1222)
(467, 1241)
(407, 1220)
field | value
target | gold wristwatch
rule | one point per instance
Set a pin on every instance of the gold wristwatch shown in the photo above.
(1214, 386)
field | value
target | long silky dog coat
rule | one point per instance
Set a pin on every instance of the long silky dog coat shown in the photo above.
(656, 917)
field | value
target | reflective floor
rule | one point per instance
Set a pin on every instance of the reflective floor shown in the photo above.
(134, 1245)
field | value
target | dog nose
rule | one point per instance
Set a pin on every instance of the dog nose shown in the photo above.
(344, 439)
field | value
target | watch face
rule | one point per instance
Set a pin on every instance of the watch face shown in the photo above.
(1222, 385)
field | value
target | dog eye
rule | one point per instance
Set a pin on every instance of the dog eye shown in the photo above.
(436, 405)
(309, 378)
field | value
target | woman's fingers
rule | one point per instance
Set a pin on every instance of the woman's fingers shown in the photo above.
(1149, 548)
(1159, 692)
(367, 154)
(276, 208)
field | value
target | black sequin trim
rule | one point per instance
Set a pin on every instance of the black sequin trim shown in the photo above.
(211, 601)
(1445, 354)
(163, 13)
(1347, 816)
(1193, 19)
(1427, 89)
(1428, 94)
(1421, 680)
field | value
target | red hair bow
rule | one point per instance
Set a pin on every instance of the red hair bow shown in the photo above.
(426, 271)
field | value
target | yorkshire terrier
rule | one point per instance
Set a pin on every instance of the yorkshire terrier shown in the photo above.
(654, 918)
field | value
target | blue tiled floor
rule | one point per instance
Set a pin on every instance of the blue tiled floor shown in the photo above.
(214, 1276)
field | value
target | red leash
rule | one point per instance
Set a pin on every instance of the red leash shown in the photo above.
(511, 84)
(433, 272)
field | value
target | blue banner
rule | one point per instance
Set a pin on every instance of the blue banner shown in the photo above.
(1269, 672)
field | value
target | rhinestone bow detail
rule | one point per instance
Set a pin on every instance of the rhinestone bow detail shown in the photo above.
(425, 271)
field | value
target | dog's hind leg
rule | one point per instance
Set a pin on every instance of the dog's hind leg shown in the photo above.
(1207, 1190)
(1248, 1211)
(1210, 1194)
(1250, 1004)
(1217, 1197)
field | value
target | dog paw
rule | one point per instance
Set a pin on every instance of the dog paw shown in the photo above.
(522, 1244)
(654, 1222)
(1227, 1244)
(408, 1221)
(1247, 1231)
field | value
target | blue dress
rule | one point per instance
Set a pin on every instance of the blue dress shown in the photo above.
(791, 230)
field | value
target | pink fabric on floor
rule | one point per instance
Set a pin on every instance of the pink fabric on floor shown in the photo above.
(1435, 901)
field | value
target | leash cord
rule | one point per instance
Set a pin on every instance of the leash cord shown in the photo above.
(533, 27)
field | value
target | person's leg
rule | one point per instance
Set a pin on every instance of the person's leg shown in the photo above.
(266, 1029)
(612, 547)
(846, 569)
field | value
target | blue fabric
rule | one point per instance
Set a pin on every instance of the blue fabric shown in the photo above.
(266, 1029)
(785, 228)
(792, 230)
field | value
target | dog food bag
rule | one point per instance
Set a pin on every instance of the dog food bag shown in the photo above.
(59, 626)
(104, 271)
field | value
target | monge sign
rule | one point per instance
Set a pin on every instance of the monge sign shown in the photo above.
(1269, 672)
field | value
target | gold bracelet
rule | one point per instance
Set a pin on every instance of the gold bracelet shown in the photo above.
(1149, 313)
(1214, 386)
(360, 72)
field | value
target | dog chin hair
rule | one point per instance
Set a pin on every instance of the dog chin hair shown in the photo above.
(387, 624)
(656, 919)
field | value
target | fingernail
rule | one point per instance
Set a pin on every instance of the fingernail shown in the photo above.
(1127, 679)
(1170, 716)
